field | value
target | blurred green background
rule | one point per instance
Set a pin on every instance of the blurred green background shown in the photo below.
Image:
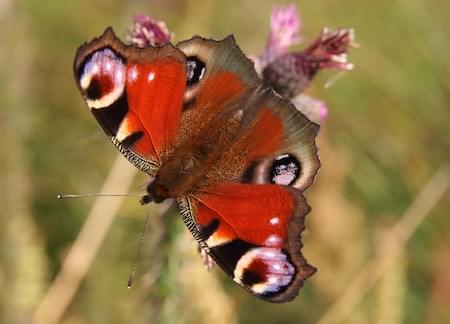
(387, 134)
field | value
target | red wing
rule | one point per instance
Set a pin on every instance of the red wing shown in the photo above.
(135, 94)
(253, 233)
(277, 144)
(274, 143)
(219, 73)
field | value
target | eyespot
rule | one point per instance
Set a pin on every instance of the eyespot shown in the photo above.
(285, 170)
(265, 270)
(195, 70)
(102, 78)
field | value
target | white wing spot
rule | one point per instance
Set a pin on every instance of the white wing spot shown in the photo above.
(133, 74)
(273, 280)
(273, 240)
(269, 254)
(151, 76)
(274, 221)
(95, 69)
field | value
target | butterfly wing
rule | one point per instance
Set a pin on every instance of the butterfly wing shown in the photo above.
(253, 234)
(272, 136)
(135, 94)
(248, 211)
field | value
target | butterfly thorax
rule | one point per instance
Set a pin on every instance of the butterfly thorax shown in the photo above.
(176, 177)
(179, 176)
(189, 170)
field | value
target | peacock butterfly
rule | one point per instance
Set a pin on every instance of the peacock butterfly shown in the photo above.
(235, 155)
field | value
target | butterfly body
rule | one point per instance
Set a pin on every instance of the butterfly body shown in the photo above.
(194, 159)
(236, 156)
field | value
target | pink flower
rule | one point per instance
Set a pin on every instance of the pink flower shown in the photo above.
(330, 49)
(291, 73)
(148, 32)
(284, 32)
(314, 109)
(288, 73)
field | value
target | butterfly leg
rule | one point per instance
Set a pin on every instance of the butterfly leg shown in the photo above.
(208, 261)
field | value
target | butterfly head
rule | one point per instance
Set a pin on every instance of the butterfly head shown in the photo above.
(155, 192)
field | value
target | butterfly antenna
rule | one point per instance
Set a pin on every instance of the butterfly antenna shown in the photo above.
(65, 196)
(139, 252)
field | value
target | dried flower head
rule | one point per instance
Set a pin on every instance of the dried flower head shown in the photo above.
(329, 50)
(291, 73)
(148, 32)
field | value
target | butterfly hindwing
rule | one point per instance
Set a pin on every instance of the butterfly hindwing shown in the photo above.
(135, 94)
(253, 234)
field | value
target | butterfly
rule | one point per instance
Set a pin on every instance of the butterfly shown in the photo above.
(235, 155)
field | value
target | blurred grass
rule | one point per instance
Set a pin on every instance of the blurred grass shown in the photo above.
(388, 132)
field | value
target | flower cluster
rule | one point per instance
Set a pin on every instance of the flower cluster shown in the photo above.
(148, 32)
(285, 26)
(290, 73)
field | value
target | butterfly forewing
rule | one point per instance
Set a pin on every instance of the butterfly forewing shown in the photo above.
(135, 94)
